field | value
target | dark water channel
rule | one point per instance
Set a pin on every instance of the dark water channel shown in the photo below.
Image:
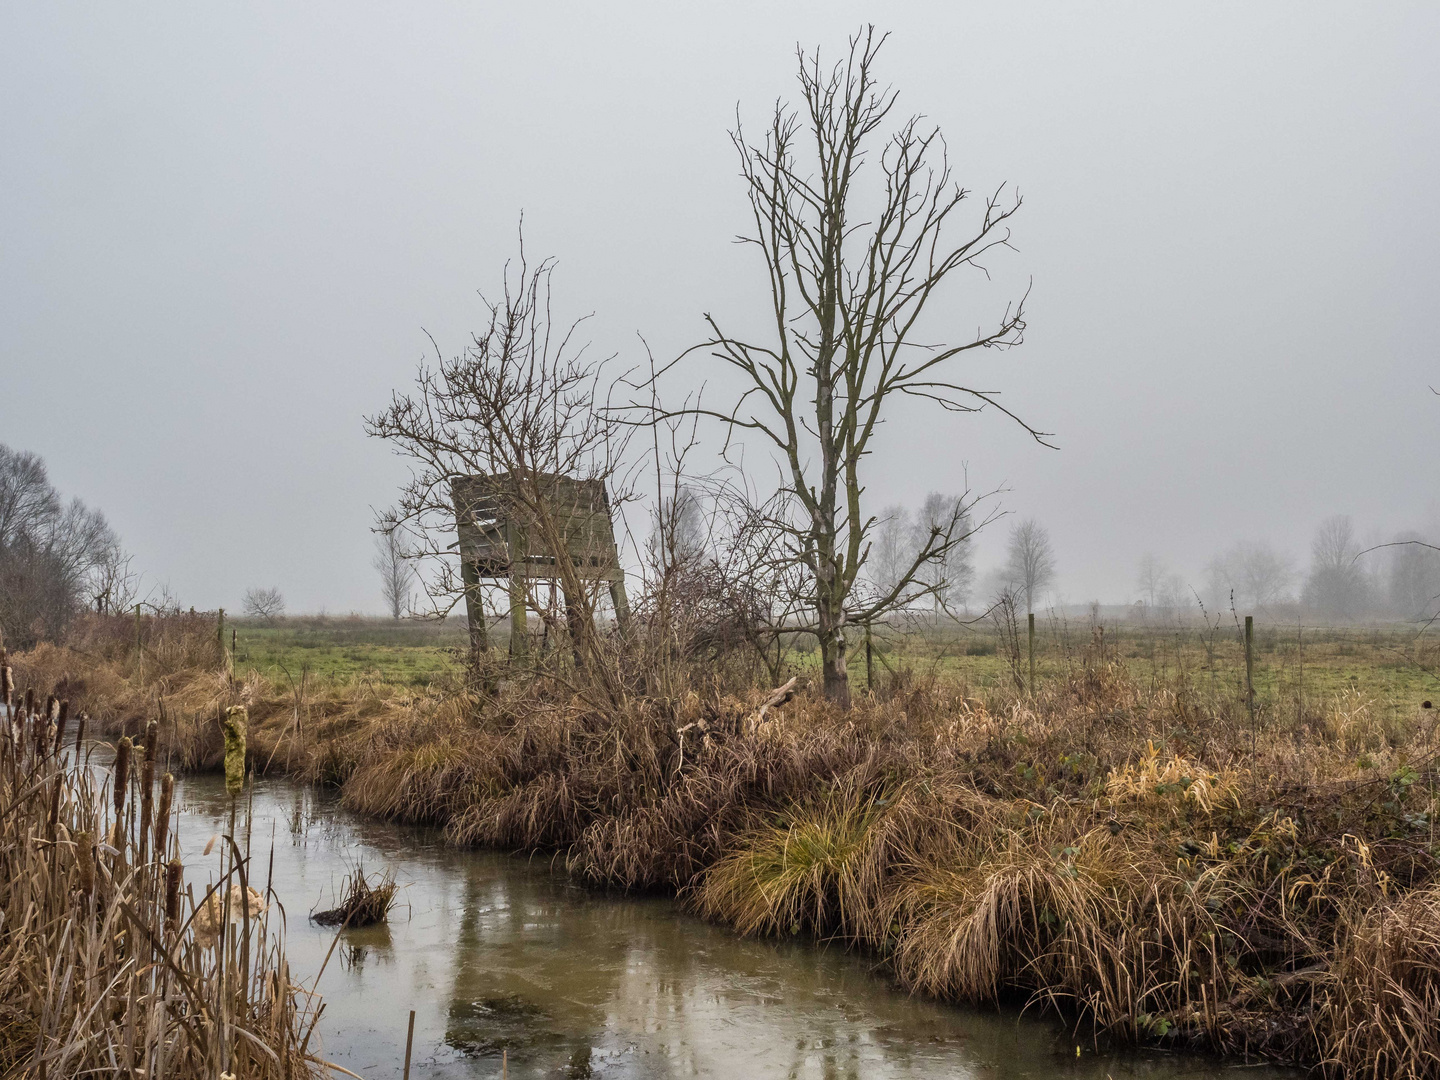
(497, 953)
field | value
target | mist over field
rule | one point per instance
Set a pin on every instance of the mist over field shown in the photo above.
(224, 235)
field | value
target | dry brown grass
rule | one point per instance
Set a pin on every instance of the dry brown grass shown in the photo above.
(109, 963)
(1137, 856)
(363, 901)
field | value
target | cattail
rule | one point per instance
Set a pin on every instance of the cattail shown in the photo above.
(122, 777)
(7, 683)
(162, 818)
(29, 700)
(172, 893)
(80, 734)
(55, 802)
(147, 786)
(60, 725)
(85, 860)
(235, 723)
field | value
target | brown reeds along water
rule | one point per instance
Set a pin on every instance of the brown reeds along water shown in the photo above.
(499, 953)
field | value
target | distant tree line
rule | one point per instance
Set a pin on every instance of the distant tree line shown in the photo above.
(57, 558)
(1346, 578)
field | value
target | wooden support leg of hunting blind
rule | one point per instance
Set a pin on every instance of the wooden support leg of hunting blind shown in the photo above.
(621, 603)
(575, 623)
(519, 621)
(474, 611)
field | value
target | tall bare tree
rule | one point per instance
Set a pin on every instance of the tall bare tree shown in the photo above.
(397, 575)
(1337, 585)
(853, 262)
(264, 604)
(1030, 565)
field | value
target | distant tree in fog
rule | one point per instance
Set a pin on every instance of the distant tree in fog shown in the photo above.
(397, 575)
(1253, 572)
(951, 576)
(265, 604)
(892, 548)
(1337, 586)
(678, 532)
(1030, 566)
(1413, 577)
(1151, 578)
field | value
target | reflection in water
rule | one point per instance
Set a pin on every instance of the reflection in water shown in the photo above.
(500, 955)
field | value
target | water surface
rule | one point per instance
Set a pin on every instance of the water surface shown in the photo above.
(499, 953)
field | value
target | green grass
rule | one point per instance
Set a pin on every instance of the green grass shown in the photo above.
(344, 650)
(1390, 665)
(1395, 667)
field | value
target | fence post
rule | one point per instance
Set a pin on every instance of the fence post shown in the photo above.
(1250, 684)
(1032, 653)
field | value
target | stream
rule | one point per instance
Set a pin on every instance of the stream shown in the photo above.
(499, 953)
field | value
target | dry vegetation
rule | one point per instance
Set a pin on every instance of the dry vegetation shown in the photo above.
(110, 964)
(1136, 854)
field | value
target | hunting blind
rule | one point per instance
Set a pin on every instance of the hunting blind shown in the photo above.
(506, 532)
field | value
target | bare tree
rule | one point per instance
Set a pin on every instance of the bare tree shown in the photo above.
(1151, 578)
(892, 547)
(266, 604)
(1254, 573)
(1030, 564)
(951, 575)
(397, 576)
(1414, 576)
(1337, 585)
(849, 284)
(521, 401)
(55, 557)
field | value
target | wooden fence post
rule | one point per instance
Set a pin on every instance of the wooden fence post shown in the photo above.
(1032, 654)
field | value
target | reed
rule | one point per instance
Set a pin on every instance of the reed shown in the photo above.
(102, 972)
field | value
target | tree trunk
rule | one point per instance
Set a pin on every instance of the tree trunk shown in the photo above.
(832, 654)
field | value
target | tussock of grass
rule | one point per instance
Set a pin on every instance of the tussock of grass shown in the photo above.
(363, 902)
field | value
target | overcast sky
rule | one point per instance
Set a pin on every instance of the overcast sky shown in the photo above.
(224, 229)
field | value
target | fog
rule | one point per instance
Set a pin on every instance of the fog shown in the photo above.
(225, 233)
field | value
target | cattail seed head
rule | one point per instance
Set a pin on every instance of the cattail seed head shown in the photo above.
(7, 683)
(52, 708)
(235, 724)
(122, 775)
(162, 814)
(55, 801)
(85, 860)
(80, 733)
(172, 893)
(60, 725)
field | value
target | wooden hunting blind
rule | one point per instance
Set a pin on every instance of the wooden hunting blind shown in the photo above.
(503, 536)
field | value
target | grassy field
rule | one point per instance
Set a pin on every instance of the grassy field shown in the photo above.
(1393, 668)
(347, 649)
